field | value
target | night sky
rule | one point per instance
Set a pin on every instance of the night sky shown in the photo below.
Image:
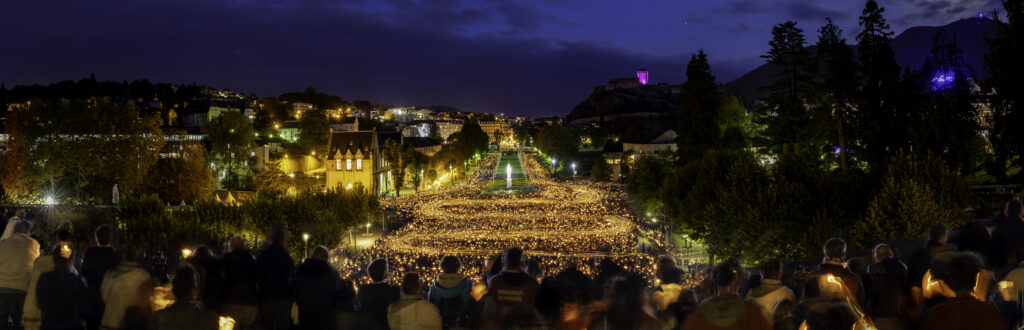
(537, 57)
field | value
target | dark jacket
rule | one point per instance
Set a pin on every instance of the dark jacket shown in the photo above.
(211, 280)
(240, 278)
(850, 280)
(887, 289)
(446, 288)
(511, 289)
(182, 315)
(275, 273)
(62, 296)
(373, 300)
(316, 284)
(964, 313)
(96, 262)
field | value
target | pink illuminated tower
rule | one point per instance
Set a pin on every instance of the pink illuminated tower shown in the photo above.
(642, 76)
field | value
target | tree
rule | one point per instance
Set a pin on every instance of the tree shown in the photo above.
(1005, 70)
(314, 131)
(435, 133)
(600, 171)
(230, 144)
(79, 150)
(701, 100)
(182, 176)
(947, 124)
(785, 112)
(557, 142)
(646, 175)
(882, 125)
(13, 161)
(838, 73)
(272, 178)
(397, 156)
(417, 164)
(734, 124)
(919, 192)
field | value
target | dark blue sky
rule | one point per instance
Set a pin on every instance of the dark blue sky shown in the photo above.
(533, 57)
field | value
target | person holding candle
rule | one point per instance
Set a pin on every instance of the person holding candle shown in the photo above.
(61, 294)
(185, 313)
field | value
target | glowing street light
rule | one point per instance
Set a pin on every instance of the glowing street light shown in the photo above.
(305, 240)
(553, 162)
(367, 228)
(50, 201)
(573, 165)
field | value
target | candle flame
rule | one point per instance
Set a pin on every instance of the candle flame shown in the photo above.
(186, 253)
(226, 323)
(65, 251)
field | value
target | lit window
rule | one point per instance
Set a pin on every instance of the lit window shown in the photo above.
(337, 165)
(359, 164)
(348, 164)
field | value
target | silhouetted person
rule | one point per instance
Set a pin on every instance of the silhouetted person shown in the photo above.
(412, 312)
(834, 252)
(964, 312)
(513, 286)
(62, 295)
(240, 284)
(185, 313)
(450, 293)
(726, 310)
(96, 262)
(373, 299)
(316, 283)
(275, 282)
(18, 253)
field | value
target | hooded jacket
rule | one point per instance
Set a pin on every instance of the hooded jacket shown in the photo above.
(769, 293)
(511, 288)
(447, 286)
(727, 313)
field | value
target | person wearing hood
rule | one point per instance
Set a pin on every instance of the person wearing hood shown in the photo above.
(726, 310)
(412, 312)
(450, 293)
(513, 286)
(316, 283)
(771, 290)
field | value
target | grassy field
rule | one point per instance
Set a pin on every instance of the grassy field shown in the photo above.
(520, 183)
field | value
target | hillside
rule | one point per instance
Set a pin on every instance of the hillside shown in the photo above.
(912, 48)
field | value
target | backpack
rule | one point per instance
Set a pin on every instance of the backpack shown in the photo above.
(452, 311)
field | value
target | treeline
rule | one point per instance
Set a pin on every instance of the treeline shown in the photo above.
(844, 143)
(143, 221)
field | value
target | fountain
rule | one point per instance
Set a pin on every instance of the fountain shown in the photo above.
(508, 176)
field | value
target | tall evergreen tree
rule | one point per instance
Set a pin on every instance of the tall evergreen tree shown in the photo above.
(838, 75)
(785, 111)
(1005, 70)
(949, 125)
(698, 130)
(881, 127)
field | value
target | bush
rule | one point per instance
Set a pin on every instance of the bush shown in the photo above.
(146, 223)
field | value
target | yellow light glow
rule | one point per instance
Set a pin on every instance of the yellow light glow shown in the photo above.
(305, 237)
(186, 253)
(226, 323)
(65, 251)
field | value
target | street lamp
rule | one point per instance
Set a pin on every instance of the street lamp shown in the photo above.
(573, 165)
(553, 162)
(367, 229)
(305, 241)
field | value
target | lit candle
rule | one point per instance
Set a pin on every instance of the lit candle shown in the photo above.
(186, 253)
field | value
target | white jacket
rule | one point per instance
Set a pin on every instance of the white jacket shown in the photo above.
(120, 290)
(412, 312)
(17, 254)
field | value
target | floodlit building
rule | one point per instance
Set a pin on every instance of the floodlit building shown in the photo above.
(355, 158)
(494, 129)
(643, 146)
